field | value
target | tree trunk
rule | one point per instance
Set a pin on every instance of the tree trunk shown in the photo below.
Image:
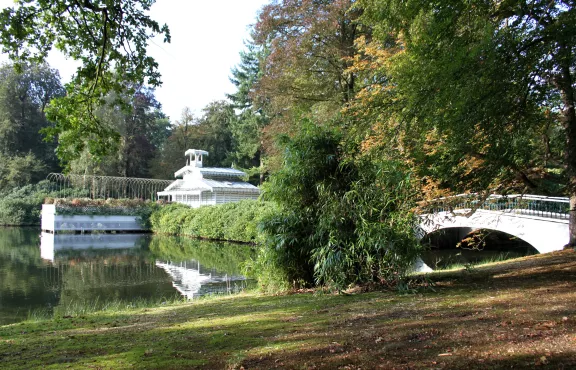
(261, 166)
(565, 84)
(572, 222)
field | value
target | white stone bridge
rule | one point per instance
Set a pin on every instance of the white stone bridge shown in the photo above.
(540, 221)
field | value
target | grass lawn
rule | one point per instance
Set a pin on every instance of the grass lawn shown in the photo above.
(519, 314)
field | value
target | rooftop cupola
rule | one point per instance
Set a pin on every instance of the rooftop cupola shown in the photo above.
(195, 157)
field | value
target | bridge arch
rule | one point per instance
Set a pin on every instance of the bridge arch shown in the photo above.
(544, 234)
(461, 246)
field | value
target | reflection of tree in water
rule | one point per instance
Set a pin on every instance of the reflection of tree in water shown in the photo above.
(89, 275)
(224, 257)
(112, 275)
(27, 241)
(22, 274)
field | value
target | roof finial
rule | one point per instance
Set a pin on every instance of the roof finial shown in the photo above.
(195, 157)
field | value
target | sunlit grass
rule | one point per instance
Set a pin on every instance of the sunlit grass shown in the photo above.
(78, 307)
(490, 260)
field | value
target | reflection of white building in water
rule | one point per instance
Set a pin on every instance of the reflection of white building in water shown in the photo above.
(190, 280)
(207, 185)
(51, 243)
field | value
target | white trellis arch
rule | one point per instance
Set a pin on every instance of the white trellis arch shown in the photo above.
(103, 187)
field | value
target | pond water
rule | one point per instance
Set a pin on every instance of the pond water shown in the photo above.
(459, 247)
(46, 273)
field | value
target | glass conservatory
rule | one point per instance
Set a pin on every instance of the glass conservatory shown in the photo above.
(207, 185)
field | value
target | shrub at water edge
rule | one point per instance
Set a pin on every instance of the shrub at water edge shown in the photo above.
(230, 221)
(341, 221)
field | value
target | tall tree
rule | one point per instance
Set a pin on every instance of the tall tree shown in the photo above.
(143, 129)
(210, 132)
(20, 170)
(251, 119)
(104, 35)
(181, 138)
(481, 81)
(217, 137)
(311, 45)
(23, 100)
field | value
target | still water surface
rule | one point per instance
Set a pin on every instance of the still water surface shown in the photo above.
(41, 272)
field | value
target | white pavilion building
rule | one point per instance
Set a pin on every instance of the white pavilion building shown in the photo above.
(201, 186)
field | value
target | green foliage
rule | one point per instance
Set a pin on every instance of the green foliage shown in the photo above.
(21, 206)
(271, 276)
(309, 43)
(247, 127)
(19, 212)
(230, 221)
(83, 306)
(341, 221)
(308, 47)
(143, 129)
(483, 92)
(104, 35)
(210, 132)
(23, 100)
(20, 170)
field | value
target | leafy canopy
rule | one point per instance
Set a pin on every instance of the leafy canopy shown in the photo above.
(105, 36)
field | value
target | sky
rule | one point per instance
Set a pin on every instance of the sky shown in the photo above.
(207, 37)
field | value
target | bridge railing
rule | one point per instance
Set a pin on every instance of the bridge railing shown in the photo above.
(533, 205)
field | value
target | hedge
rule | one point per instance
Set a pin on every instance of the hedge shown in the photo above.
(231, 221)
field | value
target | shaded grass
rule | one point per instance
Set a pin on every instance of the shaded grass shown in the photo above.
(513, 314)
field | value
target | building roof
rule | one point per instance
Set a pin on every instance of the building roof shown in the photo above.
(210, 171)
(217, 184)
(196, 152)
(214, 171)
(181, 186)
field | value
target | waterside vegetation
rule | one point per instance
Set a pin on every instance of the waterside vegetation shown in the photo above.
(230, 221)
(21, 206)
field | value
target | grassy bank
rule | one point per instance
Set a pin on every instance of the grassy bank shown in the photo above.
(519, 313)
